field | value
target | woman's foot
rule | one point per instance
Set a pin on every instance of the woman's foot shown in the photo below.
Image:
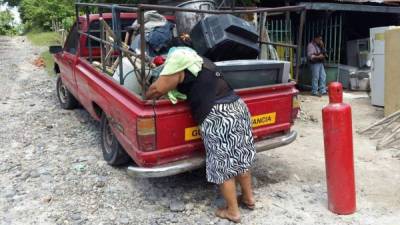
(225, 214)
(248, 203)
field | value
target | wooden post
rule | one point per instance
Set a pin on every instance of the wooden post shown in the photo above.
(299, 43)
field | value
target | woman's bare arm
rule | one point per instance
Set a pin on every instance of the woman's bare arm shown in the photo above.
(164, 84)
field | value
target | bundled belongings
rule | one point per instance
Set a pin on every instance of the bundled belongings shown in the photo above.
(158, 34)
(225, 37)
(160, 39)
(152, 19)
(221, 37)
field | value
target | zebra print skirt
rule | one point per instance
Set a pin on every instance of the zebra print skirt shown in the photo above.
(228, 141)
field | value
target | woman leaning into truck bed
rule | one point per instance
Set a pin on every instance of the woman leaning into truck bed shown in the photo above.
(224, 122)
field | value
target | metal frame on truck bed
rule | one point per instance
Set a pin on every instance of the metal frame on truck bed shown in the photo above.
(140, 9)
(162, 138)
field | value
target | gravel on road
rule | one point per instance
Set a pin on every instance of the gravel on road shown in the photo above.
(52, 171)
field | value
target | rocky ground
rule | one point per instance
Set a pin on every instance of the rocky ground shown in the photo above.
(52, 172)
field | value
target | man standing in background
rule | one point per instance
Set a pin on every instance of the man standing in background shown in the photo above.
(316, 55)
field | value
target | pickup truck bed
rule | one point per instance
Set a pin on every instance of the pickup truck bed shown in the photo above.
(160, 137)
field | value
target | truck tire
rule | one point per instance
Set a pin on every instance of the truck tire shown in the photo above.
(66, 99)
(113, 153)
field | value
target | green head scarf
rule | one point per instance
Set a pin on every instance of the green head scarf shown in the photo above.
(181, 58)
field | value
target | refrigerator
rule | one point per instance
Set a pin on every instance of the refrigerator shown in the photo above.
(377, 49)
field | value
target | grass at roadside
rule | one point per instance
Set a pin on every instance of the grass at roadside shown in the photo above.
(49, 61)
(44, 39)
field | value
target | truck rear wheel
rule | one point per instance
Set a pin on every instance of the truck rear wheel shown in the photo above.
(66, 99)
(113, 153)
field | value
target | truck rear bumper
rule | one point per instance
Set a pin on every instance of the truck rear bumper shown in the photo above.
(198, 161)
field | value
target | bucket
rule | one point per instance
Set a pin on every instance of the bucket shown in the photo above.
(185, 21)
(360, 81)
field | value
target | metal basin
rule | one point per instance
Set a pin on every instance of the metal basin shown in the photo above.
(185, 21)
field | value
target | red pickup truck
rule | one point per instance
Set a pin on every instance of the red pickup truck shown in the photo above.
(160, 137)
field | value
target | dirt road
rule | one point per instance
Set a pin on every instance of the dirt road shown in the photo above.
(52, 172)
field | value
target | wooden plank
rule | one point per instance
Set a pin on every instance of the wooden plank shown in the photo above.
(392, 71)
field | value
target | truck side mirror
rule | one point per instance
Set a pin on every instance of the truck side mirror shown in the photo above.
(55, 49)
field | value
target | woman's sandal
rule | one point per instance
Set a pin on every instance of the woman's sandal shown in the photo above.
(245, 204)
(223, 214)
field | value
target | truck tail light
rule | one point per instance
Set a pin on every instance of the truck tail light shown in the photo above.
(295, 107)
(146, 133)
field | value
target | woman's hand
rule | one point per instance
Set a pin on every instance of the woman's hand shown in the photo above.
(164, 84)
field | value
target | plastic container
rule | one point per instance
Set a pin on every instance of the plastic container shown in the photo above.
(129, 75)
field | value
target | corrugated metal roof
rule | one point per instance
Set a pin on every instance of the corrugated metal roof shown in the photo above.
(374, 1)
(329, 6)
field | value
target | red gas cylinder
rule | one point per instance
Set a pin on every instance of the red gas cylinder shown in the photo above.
(338, 140)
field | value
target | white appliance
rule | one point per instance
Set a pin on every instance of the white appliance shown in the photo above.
(377, 47)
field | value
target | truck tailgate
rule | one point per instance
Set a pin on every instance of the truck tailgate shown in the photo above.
(270, 108)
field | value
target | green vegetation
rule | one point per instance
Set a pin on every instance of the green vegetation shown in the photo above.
(40, 14)
(49, 61)
(7, 26)
(11, 2)
(45, 39)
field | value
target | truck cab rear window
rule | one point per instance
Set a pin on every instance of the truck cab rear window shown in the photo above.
(72, 40)
(95, 30)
